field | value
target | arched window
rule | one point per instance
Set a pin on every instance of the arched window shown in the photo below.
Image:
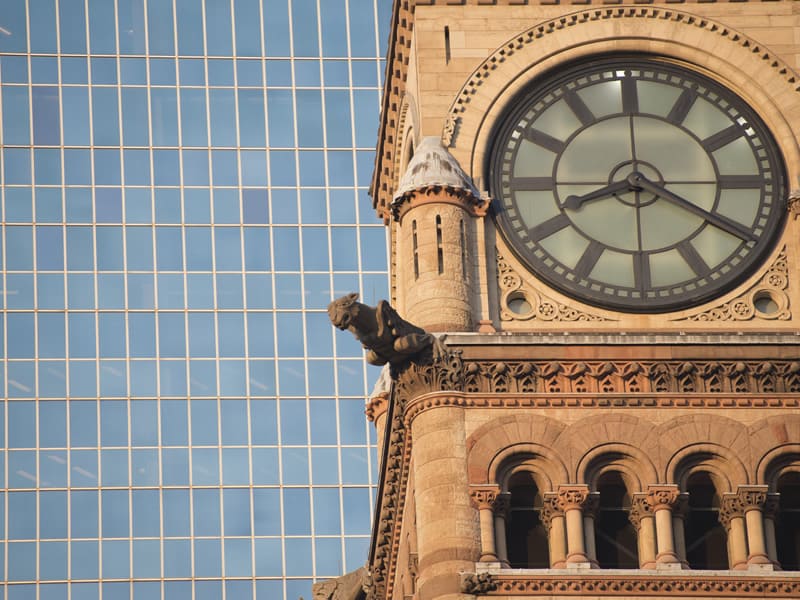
(706, 540)
(526, 536)
(615, 535)
(787, 526)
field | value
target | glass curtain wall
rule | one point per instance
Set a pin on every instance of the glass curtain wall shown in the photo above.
(184, 189)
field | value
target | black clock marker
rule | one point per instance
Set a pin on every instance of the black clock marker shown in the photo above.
(721, 138)
(681, 108)
(549, 227)
(630, 98)
(589, 258)
(692, 257)
(579, 108)
(540, 138)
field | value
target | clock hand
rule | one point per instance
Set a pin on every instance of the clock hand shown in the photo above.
(576, 202)
(640, 182)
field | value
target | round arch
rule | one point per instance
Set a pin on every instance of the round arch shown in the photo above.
(767, 83)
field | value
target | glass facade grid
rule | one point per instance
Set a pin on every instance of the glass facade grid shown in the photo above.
(183, 192)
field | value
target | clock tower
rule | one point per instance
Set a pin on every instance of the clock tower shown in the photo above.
(593, 206)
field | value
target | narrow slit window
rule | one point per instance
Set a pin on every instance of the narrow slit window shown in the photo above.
(439, 248)
(415, 249)
(464, 251)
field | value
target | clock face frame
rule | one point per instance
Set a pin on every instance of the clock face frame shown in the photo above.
(636, 184)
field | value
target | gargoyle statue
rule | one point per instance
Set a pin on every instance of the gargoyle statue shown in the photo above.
(347, 587)
(386, 336)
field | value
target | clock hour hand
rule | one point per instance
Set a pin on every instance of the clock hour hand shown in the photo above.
(576, 202)
(640, 182)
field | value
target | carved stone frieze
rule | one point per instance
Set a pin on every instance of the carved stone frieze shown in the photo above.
(608, 378)
(689, 585)
(767, 299)
(450, 129)
(520, 302)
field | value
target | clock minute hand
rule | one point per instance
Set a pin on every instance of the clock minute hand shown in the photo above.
(639, 181)
(576, 202)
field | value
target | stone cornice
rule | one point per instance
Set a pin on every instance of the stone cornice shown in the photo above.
(698, 401)
(694, 585)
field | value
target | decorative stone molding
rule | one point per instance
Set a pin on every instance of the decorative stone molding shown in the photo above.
(684, 585)
(541, 308)
(616, 383)
(793, 203)
(478, 583)
(450, 129)
(621, 13)
(376, 406)
(771, 289)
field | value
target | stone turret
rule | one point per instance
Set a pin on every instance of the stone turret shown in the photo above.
(435, 205)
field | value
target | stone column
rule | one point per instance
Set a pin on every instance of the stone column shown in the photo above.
(678, 521)
(662, 498)
(571, 499)
(554, 521)
(753, 498)
(770, 512)
(500, 510)
(448, 530)
(589, 513)
(641, 516)
(731, 515)
(483, 498)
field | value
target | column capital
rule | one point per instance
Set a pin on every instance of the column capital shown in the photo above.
(501, 504)
(731, 508)
(484, 497)
(771, 505)
(752, 497)
(572, 496)
(640, 509)
(550, 509)
(663, 496)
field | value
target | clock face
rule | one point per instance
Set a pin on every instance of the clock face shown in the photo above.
(636, 184)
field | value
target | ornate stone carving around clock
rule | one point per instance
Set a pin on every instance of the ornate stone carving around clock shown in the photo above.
(637, 184)
(520, 302)
(766, 300)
